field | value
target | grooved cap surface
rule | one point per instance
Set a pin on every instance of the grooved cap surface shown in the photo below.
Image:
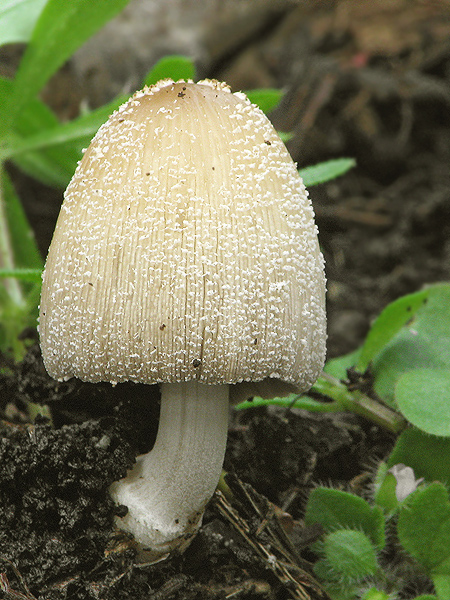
(185, 249)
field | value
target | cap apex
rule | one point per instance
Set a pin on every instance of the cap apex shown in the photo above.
(162, 83)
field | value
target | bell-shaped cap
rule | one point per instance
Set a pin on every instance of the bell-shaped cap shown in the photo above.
(185, 249)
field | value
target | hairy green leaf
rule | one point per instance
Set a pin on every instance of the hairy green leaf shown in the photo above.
(334, 509)
(374, 594)
(349, 556)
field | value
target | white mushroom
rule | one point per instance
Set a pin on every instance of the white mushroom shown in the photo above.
(185, 254)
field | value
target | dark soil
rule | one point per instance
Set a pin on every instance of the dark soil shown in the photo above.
(370, 82)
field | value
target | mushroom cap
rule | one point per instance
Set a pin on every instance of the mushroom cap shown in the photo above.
(185, 249)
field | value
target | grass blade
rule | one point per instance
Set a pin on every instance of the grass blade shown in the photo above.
(325, 171)
(174, 67)
(31, 275)
(78, 132)
(62, 28)
(267, 98)
(17, 19)
(23, 248)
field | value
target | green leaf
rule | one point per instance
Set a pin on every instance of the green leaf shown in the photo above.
(424, 528)
(60, 30)
(267, 98)
(388, 323)
(419, 450)
(385, 487)
(325, 171)
(171, 67)
(337, 367)
(424, 342)
(17, 19)
(349, 557)
(334, 509)
(423, 397)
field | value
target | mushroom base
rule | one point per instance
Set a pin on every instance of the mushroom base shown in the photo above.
(168, 488)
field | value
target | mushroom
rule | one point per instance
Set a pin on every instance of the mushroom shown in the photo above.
(185, 254)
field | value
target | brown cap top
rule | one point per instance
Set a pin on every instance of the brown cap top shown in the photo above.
(185, 249)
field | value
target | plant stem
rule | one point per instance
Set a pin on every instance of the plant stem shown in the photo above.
(342, 400)
(360, 404)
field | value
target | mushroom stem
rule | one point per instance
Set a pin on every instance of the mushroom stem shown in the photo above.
(168, 488)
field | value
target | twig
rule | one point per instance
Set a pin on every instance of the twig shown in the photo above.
(280, 555)
(10, 593)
